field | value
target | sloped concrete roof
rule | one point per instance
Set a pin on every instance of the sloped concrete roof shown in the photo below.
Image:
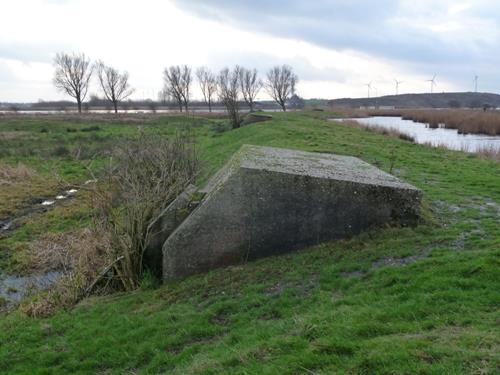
(268, 201)
(319, 165)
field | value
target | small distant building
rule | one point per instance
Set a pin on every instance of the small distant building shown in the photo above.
(385, 107)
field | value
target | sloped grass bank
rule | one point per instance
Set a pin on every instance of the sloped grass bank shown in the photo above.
(391, 300)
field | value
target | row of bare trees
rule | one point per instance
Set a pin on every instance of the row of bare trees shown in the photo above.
(279, 84)
(230, 86)
(73, 74)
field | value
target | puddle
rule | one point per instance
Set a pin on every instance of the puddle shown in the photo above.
(5, 225)
(38, 205)
(14, 288)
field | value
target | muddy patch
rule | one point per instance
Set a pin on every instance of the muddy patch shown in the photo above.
(302, 288)
(391, 262)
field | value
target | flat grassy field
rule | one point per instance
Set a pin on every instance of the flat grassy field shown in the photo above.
(389, 301)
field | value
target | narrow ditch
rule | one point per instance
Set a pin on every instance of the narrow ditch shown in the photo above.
(13, 288)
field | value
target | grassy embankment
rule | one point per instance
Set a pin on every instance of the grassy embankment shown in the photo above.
(392, 300)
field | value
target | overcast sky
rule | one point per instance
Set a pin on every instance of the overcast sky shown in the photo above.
(335, 46)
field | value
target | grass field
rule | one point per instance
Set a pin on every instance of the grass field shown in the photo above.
(389, 301)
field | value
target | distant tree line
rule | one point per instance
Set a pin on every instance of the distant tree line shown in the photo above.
(229, 87)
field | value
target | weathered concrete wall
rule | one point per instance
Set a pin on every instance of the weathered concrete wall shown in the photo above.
(268, 201)
(170, 219)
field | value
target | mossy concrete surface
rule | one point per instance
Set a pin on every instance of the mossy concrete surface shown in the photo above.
(267, 201)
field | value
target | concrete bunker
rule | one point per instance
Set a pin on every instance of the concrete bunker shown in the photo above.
(267, 201)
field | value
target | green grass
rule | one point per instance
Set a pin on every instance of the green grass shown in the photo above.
(351, 306)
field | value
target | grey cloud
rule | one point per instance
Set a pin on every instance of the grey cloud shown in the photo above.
(384, 28)
(262, 62)
(27, 52)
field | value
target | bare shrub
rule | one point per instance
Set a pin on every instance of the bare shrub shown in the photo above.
(228, 83)
(10, 175)
(143, 177)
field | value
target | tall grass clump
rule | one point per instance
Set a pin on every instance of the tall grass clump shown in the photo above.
(394, 133)
(78, 256)
(489, 152)
(11, 174)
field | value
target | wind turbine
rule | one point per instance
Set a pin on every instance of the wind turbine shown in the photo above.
(369, 85)
(433, 82)
(476, 77)
(397, 85)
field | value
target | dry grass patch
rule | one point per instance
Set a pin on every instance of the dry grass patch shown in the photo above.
(12, 174)
(379, 129)
(489, 152)
(80, 256)
(20, 193)
(10, 135)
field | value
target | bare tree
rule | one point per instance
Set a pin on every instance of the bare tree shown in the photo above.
(177, 80)
(72, 75)
(280, 84)
(113, 83)
(250, 85)
(228, 82)
(208, 85)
